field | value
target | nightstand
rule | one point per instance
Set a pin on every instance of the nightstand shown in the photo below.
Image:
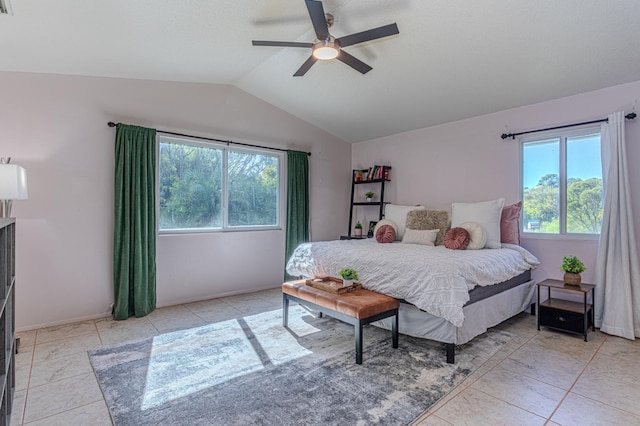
(566, 315)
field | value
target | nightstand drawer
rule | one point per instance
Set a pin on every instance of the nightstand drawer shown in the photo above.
(563, 320)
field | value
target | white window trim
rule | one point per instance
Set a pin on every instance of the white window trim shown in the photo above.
(562, 169)
(225, 226)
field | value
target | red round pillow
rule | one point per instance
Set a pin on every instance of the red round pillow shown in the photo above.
(457, 239)
(385, 234)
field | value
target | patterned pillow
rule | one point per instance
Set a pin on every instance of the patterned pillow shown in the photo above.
(398, 214)
(457, 239)
(385, 234)
(430, 219)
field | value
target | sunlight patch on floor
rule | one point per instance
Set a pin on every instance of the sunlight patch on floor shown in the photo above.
(278, 343)
(188, 361)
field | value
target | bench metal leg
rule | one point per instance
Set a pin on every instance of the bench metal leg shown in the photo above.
(358, 329)
(357, 323)
(451, 353)
(285, 309)
(394, 331)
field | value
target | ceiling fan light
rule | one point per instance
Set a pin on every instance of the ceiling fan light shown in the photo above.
(326, 49)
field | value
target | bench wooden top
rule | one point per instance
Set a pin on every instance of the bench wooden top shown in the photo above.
(359, 303)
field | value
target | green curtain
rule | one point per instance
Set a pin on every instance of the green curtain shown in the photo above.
(134, 248)
(297, 203)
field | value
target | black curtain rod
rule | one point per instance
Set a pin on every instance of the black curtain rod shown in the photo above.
(629, 116)
(112, 124)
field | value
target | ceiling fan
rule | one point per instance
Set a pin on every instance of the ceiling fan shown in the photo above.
(326, 47)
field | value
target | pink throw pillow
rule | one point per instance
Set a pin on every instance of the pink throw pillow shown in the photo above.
(510, 224)
(457, 239)
(385, 234)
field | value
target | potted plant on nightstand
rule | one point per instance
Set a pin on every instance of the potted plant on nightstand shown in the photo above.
(348, 276)
(369, 195)
(358, 229)
(572, 267)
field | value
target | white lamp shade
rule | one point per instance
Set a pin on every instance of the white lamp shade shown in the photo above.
(13, 182)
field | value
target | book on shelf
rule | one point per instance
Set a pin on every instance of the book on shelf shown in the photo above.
(373, 173)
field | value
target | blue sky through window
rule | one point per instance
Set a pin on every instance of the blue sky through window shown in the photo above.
(583, 159)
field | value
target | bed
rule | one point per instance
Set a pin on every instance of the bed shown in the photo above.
(449, 296)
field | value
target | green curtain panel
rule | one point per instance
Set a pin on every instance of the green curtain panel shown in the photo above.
(134, 248)
(297, 202)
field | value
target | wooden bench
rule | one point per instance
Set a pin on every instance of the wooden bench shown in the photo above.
(358, 307)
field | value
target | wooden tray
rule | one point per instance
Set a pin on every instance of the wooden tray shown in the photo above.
(331, 285)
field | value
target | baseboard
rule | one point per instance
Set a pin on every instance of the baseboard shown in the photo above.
(163, 305)
(66, 321)
(213, 296)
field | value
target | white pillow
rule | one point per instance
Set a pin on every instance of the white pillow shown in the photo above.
(415, 236)
(383, 222)
(487, 214)
(398, 214)
(477, 235)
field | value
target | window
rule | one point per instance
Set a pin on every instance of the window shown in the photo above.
(561, 179)
(207, 187)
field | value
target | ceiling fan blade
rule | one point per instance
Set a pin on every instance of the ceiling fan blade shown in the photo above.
(280, 43)
(280, 20)
(316, 12)
(353, 62)
(372, 34)
(305, 67)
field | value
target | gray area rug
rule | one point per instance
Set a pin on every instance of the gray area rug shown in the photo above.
(252, 371)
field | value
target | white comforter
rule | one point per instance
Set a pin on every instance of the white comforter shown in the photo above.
(435, 279)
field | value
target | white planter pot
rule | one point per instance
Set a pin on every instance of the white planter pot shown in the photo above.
(347, 283)
(357, 232)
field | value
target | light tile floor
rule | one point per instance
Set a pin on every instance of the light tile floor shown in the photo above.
(540, 377)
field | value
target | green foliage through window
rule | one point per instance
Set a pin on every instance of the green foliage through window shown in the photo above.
(562, 198)
(192, 187)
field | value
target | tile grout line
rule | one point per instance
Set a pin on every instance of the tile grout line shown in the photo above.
(26, 391)
(595, 400)
(499, 362)
(95, 325)
(510, 403)
(553, 413)
(497, 365)
(462, 387)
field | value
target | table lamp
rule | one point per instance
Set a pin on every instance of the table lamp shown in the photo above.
(13, 185)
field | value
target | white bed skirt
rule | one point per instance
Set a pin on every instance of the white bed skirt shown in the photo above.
(478, 317)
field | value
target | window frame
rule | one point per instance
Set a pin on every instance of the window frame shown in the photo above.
(225, 148)
(562, 135)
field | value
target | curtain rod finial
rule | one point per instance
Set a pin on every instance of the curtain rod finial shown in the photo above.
(111, 124)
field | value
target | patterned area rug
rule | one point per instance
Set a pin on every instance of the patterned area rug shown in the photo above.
(252, 371)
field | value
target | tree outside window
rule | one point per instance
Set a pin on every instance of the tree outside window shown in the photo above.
(196, 179)
(562, 188)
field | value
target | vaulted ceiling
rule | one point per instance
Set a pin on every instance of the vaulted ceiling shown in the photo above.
(451, 60)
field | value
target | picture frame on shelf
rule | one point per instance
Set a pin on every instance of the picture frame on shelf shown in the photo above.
(372, 225)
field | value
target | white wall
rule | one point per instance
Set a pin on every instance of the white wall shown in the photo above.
(467, 161)
(55, 126)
